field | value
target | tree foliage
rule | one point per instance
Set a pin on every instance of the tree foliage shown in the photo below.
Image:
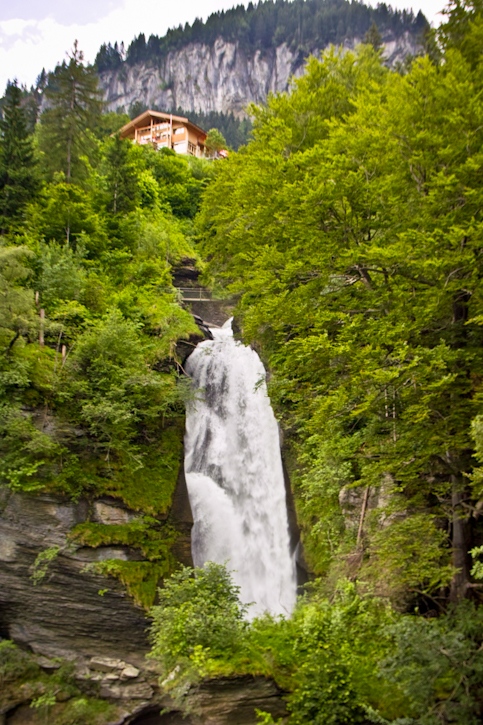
(347, 659)
(89, 320)
(74, 108)
(351, 229)
(215, 141)
(198, 616)
(18, 172)
(303, 25)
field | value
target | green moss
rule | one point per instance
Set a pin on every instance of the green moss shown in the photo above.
(150, 487)
(85, 711)
(143, 477)
(16, 667)
(153, 538)
(141, 578)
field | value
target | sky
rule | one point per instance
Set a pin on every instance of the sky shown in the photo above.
(36, 34)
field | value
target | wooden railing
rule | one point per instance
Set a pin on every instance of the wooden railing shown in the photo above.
(194, 294)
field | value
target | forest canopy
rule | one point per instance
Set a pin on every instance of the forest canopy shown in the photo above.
(351, 230)
(302, 24)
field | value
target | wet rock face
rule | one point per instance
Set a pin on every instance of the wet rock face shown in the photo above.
(63, 615)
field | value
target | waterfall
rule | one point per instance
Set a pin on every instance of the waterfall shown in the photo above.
(234, 474)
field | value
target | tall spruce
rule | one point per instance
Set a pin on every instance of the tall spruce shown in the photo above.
(121, 177)
(18, 180)
(74, 108)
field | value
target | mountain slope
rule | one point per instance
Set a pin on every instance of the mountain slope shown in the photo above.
(240, 56)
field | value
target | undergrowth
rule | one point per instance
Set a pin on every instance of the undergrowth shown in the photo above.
(55, 698)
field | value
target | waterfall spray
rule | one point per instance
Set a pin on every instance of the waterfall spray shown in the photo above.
(234, 474)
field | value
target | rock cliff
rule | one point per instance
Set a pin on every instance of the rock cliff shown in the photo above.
(70, 613)
(222, 77)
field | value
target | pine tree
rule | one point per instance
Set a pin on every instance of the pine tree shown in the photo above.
(75, 106)
(18, 180)
(373, 37)
(122, 177)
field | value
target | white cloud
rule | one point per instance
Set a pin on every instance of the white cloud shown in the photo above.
(431, 8)
(28, 45)
(63, 12)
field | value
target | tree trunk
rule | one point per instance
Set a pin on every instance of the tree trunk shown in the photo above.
(460, 520)
(362, 517)
(460, 540)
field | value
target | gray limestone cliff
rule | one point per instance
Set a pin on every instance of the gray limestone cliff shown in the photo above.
(222, 77)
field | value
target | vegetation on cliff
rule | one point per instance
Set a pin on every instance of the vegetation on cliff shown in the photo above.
(89, 318)
(91, 228)
(55, 698)
(350, 658)
(302, 24)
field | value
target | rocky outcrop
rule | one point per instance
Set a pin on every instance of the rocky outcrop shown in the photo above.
(202, 78)
(70, 613)
(220, 701)
(135, 698)
(198, 300)
(233, 701)
(223, 77)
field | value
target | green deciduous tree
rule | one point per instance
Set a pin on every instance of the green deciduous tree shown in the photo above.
(215, 141)
(198, 611)
(66, 213)
(351, 226)
(17, 309)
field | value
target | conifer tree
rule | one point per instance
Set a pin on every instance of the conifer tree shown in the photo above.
(373, 37)
(122, 177)
(18, 181)
(74, 109)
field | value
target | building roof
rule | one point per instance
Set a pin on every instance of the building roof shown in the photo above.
(144, 118)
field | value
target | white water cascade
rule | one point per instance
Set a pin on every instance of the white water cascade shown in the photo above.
(234, 474)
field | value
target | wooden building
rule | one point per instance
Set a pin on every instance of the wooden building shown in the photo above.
(164, 130)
